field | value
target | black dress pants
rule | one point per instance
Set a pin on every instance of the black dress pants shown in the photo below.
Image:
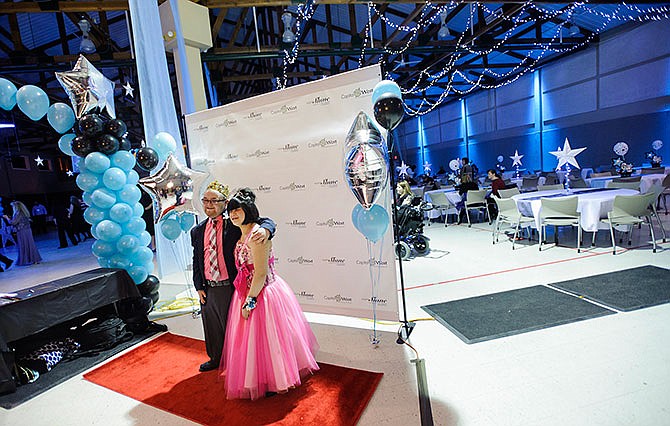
(214, 319)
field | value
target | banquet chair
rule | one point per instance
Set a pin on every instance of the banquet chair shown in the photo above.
(529, 183)
(577, 182)
(624, 185)
(549, 187)
(476, 200)
(652, 170)
(508, 212)
(666, 191)
(601, 174)
(630, 210)
(560, 211)
(441, 203)
(551, 178)
(508, 193)
(628, 179)
(656, 190)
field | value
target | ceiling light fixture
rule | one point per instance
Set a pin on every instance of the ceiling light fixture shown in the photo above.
(444, 31)
(288, 36)
(86, 45)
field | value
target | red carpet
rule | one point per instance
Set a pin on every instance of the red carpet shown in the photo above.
(164, 374)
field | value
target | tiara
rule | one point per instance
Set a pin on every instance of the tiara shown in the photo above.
(219, 187)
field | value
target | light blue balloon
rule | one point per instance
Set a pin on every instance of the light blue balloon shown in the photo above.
(138, 274)
(144, 238)
(132, 178)
(164, 144)
(149, 267)
(186, 221)
(371, 223)
(127, 244)
(97, 162)
(118, 260)
(86, 198)
(170, 229)
(114, 178)
(124, 160)
(64, 143)
(142, 256)
(61, 117)
(94, 215)
(7, 94)
(103, 248)
(138, 210)
(88, 181)
(386, 88)
(104, 262)
(121, 213)
(129, 194)
(108, 230)
(32, 101)
(134, 226)
(103, 198)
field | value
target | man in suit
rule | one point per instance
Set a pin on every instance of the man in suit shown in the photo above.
(214, 269)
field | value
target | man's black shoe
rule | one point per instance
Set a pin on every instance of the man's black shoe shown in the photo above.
(208, 366)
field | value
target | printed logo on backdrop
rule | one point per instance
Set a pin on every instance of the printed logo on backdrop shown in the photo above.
(297, 223)
(373, 262)
(226, 123)
(203, 162)
(357, 93)
(254, 116)
(304, 295)
(301, 260)
(285, 109)
(259, 153)
(338, 298)
(293, 187)
(289, 147)
(334, 260)
(319, 100)
(375, 301)
(331, 223)
(231, 157)
(263, 188)
(327, 183)
(201, 128)
(323, 143)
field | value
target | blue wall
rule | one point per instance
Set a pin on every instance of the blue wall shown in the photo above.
(618, 90)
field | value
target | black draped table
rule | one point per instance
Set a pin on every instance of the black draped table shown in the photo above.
(37, 308)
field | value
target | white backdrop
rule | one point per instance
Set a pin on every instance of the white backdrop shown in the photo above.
(288, 146)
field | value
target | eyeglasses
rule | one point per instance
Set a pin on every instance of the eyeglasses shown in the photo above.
(206, 201)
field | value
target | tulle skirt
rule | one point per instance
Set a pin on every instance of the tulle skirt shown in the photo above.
(271, 350)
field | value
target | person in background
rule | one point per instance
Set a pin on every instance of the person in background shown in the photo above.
(28, 253)
(63, 225)
(269, 345)
(80, 227)
(39, 216)
(214, 269)
(404, 193)
(466, 170)
(496, 184)
(467, 184)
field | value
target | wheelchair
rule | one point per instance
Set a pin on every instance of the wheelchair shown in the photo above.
(410, 229)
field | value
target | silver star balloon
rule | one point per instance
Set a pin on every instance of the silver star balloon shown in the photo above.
(87, 88)
(173, 187)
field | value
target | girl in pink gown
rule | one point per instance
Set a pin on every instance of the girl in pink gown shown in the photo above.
(269, 346)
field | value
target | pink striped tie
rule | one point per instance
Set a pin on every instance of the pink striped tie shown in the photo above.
(212, 255)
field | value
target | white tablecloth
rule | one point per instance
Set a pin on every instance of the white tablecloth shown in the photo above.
(593, 206)
(646, 181)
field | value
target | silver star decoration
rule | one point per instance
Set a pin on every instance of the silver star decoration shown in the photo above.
(403, 169)
(426, 167)
(516, 158)
(39, 161)
(173, 188)
(129, 89)
(567, 155)
(87, 88)
(70, 173)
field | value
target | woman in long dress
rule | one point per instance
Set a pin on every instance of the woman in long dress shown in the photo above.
(20, 220)
(269, 346)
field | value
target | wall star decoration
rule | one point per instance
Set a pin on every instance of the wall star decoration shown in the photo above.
(128, 89)
(567, 155)
(39, 161)
(516, 158)
(87, 88)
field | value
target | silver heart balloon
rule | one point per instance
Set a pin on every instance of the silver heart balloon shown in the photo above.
(364, 130)
(366, 173)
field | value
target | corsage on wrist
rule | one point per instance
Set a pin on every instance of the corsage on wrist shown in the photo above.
(249, 303)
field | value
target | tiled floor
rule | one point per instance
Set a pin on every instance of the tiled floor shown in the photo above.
(612, 370)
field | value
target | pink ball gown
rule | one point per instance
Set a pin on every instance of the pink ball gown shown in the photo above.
(274, 348)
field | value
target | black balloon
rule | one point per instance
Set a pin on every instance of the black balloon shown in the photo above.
(82, 146)
(148, 286)
(107, 144)
(116, 128)
(388, 111)
(91, 125)
(147, 158)
(124, 144)
(155, 297)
